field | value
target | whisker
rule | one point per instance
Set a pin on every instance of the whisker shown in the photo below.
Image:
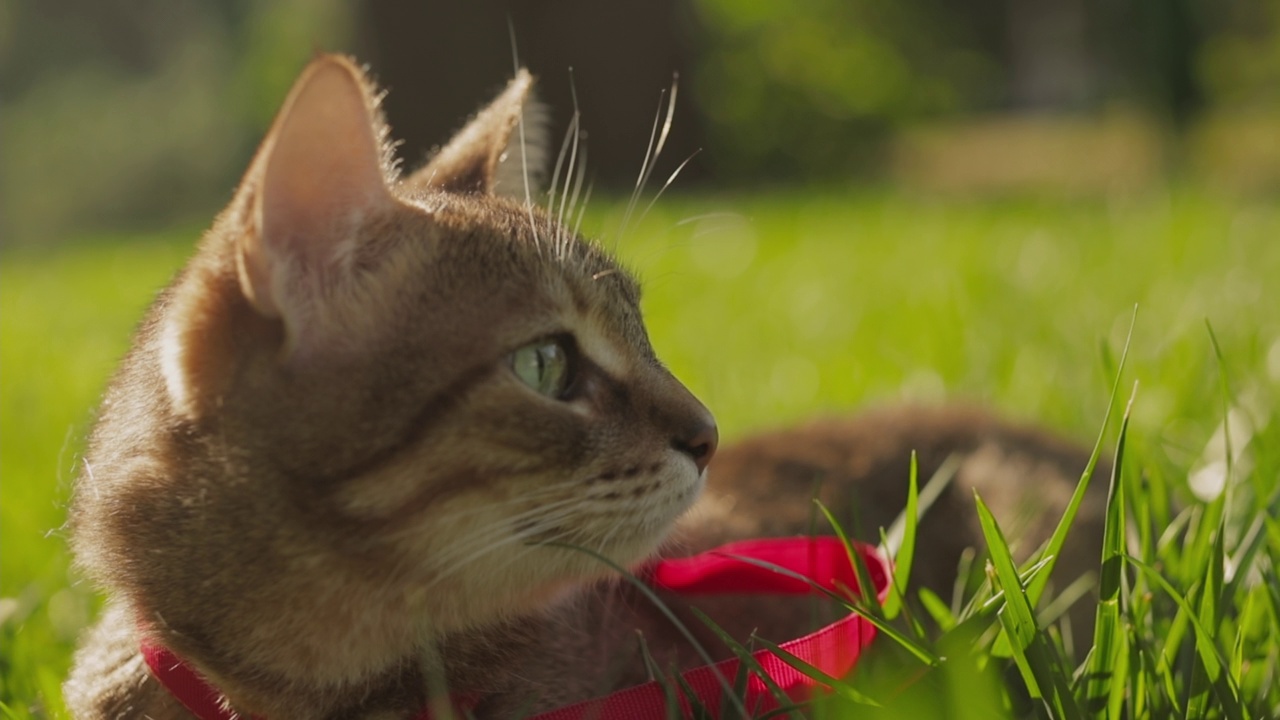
(666, 124)
(578, 138)
(515, 516)
(720, 215)
(454, 566)
(564, 151)
(666, 185)
(524, 154)
(537, 517)
(644, 173)
(578, 179)
(565, 195)
(651, 158)
(456, 515)
(582, 210)
(564, 198)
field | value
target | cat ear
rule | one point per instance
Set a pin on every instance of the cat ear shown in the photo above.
(319, 177)
(499, 151)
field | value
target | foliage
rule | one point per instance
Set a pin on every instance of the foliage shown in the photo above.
(817, 87)
(852, 71)
(123, 114)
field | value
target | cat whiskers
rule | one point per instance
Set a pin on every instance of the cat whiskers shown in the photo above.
(529, 517)
(536, 529)
(651, 154)
(485, 507)
(524, 148)
(574, 176)
(572, 138)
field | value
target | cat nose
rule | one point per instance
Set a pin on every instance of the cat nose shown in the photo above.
(699, 442)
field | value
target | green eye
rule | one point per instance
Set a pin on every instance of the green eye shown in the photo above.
(543, 366)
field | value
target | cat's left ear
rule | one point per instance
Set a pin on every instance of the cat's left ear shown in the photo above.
(297, 223)
(503, 148)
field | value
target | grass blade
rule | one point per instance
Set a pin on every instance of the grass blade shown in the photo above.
(868, 599)
(837, 685)
(904, 552)
(746, 660)
(666, 611)
(1059, 538)
(1225, 687)
(915, 647)
(1103, 681)
(1044, 676)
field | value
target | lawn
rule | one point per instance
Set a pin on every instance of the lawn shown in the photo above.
(778, 307)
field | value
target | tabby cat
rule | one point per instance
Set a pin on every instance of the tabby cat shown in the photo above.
(332, 472)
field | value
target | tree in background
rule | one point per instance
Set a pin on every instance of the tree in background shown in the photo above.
(128, 114)
(814, 88)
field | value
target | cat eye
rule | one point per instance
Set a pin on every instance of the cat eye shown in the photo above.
(543, 366)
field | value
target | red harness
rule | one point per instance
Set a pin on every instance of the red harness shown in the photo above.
(834, 649)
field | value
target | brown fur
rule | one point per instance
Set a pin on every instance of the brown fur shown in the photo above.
(316, 478)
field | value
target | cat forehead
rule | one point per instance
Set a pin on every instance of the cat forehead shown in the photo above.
(529, 240)
(515, 274)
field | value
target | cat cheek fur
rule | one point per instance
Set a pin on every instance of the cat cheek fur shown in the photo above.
(584, 472)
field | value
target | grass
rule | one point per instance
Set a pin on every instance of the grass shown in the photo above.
(778, 307)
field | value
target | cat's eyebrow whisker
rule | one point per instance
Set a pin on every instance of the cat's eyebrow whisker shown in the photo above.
(718, 215)
(644, 171)
(524, 160)
(524, 152)
(666, 185)
(651, 153)
(528, 195)
(577, 183)
(569, 136)
(582, 210)
(579, 139)
(564, 196)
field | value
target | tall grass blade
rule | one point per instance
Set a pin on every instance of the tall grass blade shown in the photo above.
(915, 647)
(838, 686)
(1059, 538)
(901, 545)
(869, 600)
(1103, 678)
(1044, 676)
(666, 611)
(746, 660)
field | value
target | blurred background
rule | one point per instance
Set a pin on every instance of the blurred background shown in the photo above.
(126, 115)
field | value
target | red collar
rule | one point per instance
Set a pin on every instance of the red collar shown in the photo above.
(834, 649)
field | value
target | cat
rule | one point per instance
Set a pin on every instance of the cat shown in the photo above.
(333, 469)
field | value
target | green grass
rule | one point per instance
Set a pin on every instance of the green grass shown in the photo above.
(774, 308)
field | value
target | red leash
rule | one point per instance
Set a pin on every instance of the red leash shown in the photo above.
(834, 649)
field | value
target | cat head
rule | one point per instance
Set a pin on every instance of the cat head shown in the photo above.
(418, 381)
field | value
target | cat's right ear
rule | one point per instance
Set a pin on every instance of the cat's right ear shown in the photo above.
(320, 175)
(502, 150)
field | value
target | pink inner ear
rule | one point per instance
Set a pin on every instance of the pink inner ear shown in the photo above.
(323, 177)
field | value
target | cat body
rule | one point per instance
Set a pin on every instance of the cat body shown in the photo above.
(343, 462)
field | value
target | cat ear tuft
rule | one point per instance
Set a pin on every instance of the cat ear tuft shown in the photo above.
(500, 151)
(319, 177)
